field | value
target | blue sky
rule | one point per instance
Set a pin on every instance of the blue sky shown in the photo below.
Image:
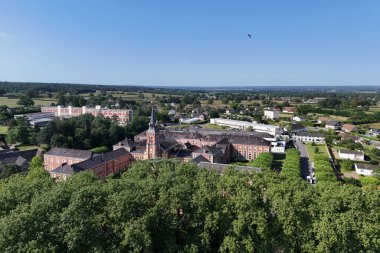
(191, 42)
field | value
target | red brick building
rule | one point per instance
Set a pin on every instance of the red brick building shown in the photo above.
(197, 144)
(55, 157)
(102, 165)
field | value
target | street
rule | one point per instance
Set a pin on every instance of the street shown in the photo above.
(305, 167)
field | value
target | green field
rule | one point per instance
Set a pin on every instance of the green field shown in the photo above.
(12, 102)
(310, 150)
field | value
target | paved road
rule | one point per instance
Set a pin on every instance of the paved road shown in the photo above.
(305, 167)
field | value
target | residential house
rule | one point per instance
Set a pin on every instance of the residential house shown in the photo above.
(365, 169)
(310, 137)
(289, 110)
(323, 120)
(331, 124)
(351, 155)
(19, 158)
(272, 114)
(349, 128)
(296, 128)
(299, 118)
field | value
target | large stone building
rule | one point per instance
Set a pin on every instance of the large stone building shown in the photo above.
(122, 115)
(55, 157)
(196, 144)
(101, 165)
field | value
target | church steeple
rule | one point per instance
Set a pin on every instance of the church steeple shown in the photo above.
(152, 139)
(153, 121)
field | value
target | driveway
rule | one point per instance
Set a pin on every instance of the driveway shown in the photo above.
(305, 169)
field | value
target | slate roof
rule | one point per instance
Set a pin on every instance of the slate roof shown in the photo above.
(351, 152)
(311, 134)
(349, 127)
(332, 123)
(12, 155)
(199, 159)
(66, 152)
(365, 166)
(99, 160)
(207, 150)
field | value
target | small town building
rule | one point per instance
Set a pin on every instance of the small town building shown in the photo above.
(323, 120)
(296, 128)
(289, 110)
(349, 128)
(272, 114)
(39, 119)
(238, 124)
(310, 137)
(351, 154)
(18, 158)
(331, 124)
(365, 169)
(299, 118)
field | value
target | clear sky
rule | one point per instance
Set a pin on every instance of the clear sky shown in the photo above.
(191, 42)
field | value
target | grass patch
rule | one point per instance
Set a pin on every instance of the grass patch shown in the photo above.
(321, 151)
(12, 102)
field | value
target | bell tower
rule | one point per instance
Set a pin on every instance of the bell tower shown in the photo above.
(152, 149)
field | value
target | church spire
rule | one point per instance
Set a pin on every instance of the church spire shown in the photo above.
(153, 117)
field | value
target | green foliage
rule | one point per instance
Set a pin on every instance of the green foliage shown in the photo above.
(9, 170)
(100, 150)
(346, 165)
(82, 132)
(263, 161)
(164, 205)
(291, 166)
(25, 101)
(370, 181)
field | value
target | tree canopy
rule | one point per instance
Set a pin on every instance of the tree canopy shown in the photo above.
(165, 205)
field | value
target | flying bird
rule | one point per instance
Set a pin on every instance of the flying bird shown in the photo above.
(250, 36)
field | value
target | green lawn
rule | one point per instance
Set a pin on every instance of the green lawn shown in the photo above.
(310, 150)
(213, 127)
(12, 102)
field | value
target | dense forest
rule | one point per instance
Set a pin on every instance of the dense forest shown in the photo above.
(167, 206)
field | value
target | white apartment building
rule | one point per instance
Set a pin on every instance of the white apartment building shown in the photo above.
(123, 115)
(272, 114)
(272, 130)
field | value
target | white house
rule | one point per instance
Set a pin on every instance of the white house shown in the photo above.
(310, 137)
(272, 114)
(298, 118)
(351, 155)
(331, 124)
(365, 169)
(189, 120)
(277, 147)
